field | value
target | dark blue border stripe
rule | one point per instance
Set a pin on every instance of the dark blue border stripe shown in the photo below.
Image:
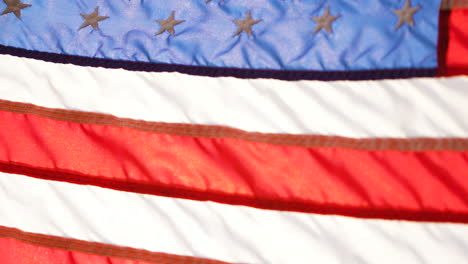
(218, 71)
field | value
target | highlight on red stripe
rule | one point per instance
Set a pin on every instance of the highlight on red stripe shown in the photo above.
(374, 184)
(18, 247)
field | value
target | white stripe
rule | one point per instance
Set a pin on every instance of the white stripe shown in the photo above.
(224, 232)
(390, 108)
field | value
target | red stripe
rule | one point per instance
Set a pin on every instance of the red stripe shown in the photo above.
(429, 185)
(453, 44)
(212, 131)
(18, 247)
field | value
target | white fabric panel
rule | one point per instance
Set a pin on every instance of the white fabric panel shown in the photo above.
(360, 109)
(231, 233)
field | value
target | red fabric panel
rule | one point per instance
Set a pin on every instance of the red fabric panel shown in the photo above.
(429, 185)
(454, 28)
(17, 247)
(15, 252)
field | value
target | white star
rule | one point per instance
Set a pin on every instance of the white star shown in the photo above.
(246, 24)
(405, 15)
(92, 19)
(325, 21)
(14, 6)
(168, 24)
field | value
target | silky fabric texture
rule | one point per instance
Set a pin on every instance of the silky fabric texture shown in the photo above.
(383, 184)
(207, 131)
(32, 248)
(16, 252)
(236, 234)
(432, 107)
(364, 36)
(457, 50)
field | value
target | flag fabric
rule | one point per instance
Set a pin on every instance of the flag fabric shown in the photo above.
(233, 131)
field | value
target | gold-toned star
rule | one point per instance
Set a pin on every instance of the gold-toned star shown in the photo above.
(405, 15)
(92, 19)
(246, 24)
(325, 22)
(14, 6)
(168, 24)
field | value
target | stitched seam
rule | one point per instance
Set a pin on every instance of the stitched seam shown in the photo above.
(99, 248)
(210, 131)
(423, 215)
(221, 71)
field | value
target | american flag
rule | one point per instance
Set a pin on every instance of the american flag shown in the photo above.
(233, 131)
